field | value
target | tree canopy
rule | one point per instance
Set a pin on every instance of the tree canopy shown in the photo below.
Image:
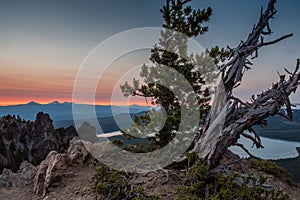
(180, 22)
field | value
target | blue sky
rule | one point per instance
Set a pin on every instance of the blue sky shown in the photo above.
(43, 43)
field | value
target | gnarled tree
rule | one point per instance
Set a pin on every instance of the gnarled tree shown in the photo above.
(230, 118)
(241, 116)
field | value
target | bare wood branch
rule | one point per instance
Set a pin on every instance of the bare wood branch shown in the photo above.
(241, 116)
(287, 71)
(266, 104)
(246, 150)
(251, 48)
(232, 72)
(238, 100)
(283, 115)
(256, 135)
(257, 143)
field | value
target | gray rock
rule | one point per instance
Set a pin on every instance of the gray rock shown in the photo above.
(42, 172)
(26, 174)
(24, 177)
(78, 152)
(56, 166)
(6, 178)
(88, 133)
(31, 140)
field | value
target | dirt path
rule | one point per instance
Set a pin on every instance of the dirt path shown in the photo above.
(78, 187)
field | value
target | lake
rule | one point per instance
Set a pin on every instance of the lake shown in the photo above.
(273, 149)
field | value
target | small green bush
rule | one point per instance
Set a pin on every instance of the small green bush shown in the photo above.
(118, 143)
(200, 183)
(113, 185)
(272, 168)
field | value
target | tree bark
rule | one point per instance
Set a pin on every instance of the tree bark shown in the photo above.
(239, 116)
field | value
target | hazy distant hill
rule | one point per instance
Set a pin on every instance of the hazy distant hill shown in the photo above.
(280, 128)
(108, 124)
(63, 111)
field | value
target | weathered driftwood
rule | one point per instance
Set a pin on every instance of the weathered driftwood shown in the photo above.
(241, 116)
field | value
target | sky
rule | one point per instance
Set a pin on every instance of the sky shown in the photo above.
(44, 43)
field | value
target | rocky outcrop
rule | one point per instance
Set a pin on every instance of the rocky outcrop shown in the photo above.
(79, 153)
(39, 179)
(51, 171)
(88, 132)
(30, 140)
(24, 177)
(43, 124)
(6, 178)
(26, 174)
(60, 176)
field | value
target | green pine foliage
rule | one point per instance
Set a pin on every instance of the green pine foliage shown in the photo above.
(2, 146)
(172, 51)
(114, 185)
(118, 143)
(200, 183)
(272, 168)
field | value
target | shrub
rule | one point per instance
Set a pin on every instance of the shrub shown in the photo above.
(272, 168)
(118, 143)
(113, 184)
(200, 183)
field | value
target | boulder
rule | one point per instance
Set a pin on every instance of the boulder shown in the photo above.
(56, 170)
(7, 178)
(78, 152)
(41, 173)
(88, 133)
(56, 166)
(51, 171)
(26, 174)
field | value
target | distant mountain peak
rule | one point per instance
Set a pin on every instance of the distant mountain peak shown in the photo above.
(58, 103)
(32, 103)
(67, 103)
(54, 103)
(135, 105)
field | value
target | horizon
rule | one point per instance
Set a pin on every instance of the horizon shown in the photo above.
(297, 107)
(70, 102)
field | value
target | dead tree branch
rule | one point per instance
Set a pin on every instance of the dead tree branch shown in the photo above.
(246, 150)
(241, 116)
(232, 72)
(266, 104)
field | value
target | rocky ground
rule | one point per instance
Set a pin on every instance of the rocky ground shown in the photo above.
(59, 176)
(77, 187)
(70, 176)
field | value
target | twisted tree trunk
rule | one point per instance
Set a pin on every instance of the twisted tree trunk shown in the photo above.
(231, 117)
